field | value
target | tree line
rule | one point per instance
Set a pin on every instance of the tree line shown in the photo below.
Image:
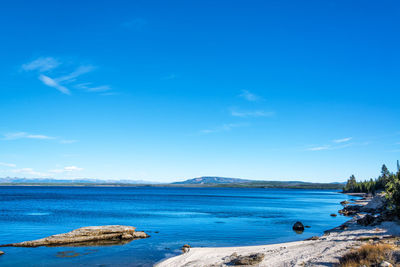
(388, 182)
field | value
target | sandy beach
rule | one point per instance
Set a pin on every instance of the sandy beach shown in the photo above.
(323, 251)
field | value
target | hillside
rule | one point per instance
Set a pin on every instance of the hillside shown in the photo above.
(213, 180)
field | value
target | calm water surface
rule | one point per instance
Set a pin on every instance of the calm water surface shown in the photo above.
(172, 216)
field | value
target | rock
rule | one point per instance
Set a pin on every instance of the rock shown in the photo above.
(333, 215)
(387, 215)
(185, 248)
(85, 236)
(344, 203)
(350, 210)
(375, 205)
(252, 259)
(366, 220)
(385, 264)
(313, 238)
(1, 252)
(298, 227)
(307, 226)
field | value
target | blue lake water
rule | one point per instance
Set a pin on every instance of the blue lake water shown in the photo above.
(172, 216)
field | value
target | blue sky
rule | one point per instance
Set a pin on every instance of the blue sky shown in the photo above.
(168, 90)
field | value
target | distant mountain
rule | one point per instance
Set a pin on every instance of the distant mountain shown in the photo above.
(16, 180)
(213, 180)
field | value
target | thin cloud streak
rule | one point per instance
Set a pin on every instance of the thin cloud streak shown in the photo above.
(318, 148)
(53, 83)
(257, 113)
(24, 135)
(67, 169)
(246, 94)
(89, 88)
(223, 128)
(41, 64)
(5, 164)
(75, 74)
(343, 140)
(28, 171)
(44, 64)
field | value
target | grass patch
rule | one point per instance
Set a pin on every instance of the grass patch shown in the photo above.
(368, 255)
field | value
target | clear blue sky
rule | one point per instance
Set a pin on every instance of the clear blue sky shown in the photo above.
(167, 90)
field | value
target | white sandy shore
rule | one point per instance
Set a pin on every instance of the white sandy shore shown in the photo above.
(322, 252)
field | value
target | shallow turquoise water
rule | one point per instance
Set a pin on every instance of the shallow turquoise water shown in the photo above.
(172, 216)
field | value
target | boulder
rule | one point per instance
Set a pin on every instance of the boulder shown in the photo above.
(298, 227)
(344, 203)
(185, 248)
(350, 210)
(375, 205)
(1, 252)
(366, 220)
(249, 260)
(87, 236)
(333, 215)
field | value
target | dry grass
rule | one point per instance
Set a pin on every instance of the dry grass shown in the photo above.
(368, 255)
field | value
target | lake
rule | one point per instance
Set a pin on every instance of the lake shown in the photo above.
(171, 216)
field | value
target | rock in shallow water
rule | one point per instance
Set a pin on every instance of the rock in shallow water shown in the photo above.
(298, 227)
(87, 236)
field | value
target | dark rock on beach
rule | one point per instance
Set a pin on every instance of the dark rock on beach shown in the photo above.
(252, 259)
(313, 238)
(366, 220)
(185, 248)
(350, 210)
(87, 236)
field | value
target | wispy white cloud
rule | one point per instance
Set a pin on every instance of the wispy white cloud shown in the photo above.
(223, 128)
(88, 87)
(343, 140)
(75, 74)
(337, 144)
(28, 171)
(67, 169)
(246, 94)
(53, 83)
(41, 64)
(319, 148)
(257, 113)
(5, 164)
(24, 135)
(44, 64)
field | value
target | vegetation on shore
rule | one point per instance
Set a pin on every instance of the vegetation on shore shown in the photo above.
(388, 182)
(367, 255)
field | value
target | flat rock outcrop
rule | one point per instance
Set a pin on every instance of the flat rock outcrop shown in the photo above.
(87, 236)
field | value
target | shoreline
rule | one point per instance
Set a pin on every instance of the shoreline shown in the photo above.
(321, 251)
